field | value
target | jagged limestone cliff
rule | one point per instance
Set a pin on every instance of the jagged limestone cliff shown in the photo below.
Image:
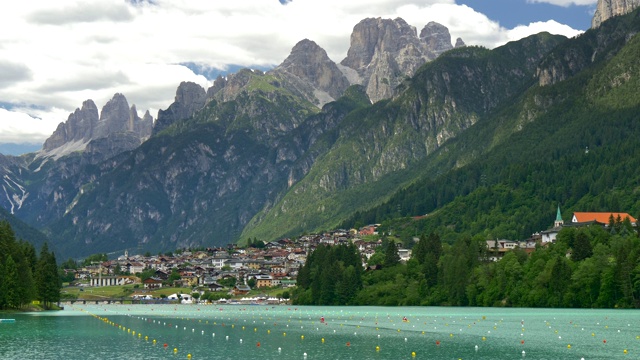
(606, 9)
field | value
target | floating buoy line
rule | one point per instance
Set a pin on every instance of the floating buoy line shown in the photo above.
(440, 333)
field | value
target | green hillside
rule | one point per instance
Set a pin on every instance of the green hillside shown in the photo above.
(579, 151)
(384, 148)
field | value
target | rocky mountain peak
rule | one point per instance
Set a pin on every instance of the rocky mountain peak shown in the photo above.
(384, 51)
(78, 127)
(190, 97)
(114, 116)
(84, 125)
(437, 37)
(606, 9)
(371, 36)
(459, 43)
(308, 63)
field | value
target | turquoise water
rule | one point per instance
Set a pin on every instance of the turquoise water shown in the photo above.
(289, 332)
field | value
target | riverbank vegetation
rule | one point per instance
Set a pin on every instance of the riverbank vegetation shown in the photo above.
(26, 277)
(590, 267)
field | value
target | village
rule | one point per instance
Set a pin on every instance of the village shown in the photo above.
(230, 270)
(233, 271)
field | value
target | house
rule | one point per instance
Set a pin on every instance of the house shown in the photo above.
(498, 248)
(152, 283)
(214, 286)
(287, 283)
(136, 267)
(161, 275)
(601, 217)
(241, 289)
(219, 261)
(405, 254)
(263, 280)
(368, 230)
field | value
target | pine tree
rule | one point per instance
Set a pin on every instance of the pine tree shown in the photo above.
(582, 247)
(11, 286)
(47, 278)
(420, 250)
(391, 257)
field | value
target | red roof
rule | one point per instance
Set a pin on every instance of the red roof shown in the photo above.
(602, 217)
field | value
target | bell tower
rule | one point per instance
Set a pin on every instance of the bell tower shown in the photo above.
(559, 222)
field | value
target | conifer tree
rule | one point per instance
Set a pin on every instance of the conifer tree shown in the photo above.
(391, 257)
(11, 285)
(47, 278)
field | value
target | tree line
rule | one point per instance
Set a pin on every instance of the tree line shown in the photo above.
(26, 276)
(331, 275)
(590, 267)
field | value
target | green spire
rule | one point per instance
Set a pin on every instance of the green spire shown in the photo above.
(558, 216)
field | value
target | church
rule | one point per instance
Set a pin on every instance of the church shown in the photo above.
(583, 219)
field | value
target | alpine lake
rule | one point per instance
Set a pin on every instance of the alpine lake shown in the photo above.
(122, 331)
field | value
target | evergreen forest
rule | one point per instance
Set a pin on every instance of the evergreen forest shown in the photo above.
(26, 276)
(588, 267)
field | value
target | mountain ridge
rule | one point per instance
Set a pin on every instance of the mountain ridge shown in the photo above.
(255, 156)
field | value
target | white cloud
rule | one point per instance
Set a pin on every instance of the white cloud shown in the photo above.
(550, 26)
(56, 55)
(565, 3)
(77, 12)
(20, 128)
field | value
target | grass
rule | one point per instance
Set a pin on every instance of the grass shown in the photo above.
(125, 291)
(119, 291)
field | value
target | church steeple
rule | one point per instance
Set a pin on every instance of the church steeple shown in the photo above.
(559, 222)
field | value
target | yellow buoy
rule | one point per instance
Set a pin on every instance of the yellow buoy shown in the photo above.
(377, 348)
(569, 346)
(175, 350)
(625, 351)
(323, 340)
(301, 337)
(188, 356)
(413, 354)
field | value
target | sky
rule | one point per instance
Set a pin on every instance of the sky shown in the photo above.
(56, 54)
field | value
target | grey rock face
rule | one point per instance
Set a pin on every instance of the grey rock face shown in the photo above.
(84, 125)
(309, 64)
(436, 37)
(79, 127)
(385, 51)
(227, 88)
(459, 43)
(190, 97)
(114, 117)
(609, 8)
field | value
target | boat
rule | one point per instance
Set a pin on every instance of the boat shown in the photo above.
(7, 321)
